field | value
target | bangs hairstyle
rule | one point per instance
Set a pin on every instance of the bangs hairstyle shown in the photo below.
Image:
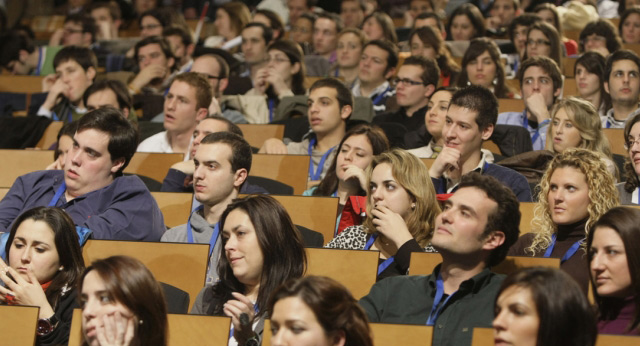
(111, 6)
(473, 14)
(359, 34)
(480, 100)
(548, 65)
(555, 42)
(161, 15)
(280, 243)
(626, 222)
(430, 37)
(67, 245)
(332, 304)
(125, 101)
(379, 143)
(632, 180)
(201, 86)
(585, 118)
(557, 22)
(386, 23)
(603, 194)
(412, 175)
(293, 51)
(566, 318)
(86, 21)
(476, 48)
(82, 55)
(604, 28)
(129, 282)
(594, 63)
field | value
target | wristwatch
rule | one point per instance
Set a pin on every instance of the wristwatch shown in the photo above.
(46, 325)
(253, 341)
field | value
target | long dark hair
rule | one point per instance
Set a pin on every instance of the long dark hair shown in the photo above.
(129, 282)
(476, 48)
(293, 51)
(632, 180)
(379, 144)
(555, 41)
(429, 36)
(66, 242)
(566, 319)
(594, 63)
(281, 246)
(474, 15)
(626, 222)
(332, 304)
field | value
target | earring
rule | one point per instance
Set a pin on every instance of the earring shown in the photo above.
(468, 83)
(413, 206)
(140, 322)
(495, 81)
(61, 268)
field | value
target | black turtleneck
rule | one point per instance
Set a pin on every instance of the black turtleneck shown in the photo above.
(577, 266)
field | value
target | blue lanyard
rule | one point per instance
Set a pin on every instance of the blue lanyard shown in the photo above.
(255, 309)
(525, 124)
(58, 194)
(572, 250)
(39, 67)
(608, 124)
(435, 310)
(380, 96)
(271, 103)
(315, 174)
(384, 265)
(214, 236)
(337, 72)
(56, 118)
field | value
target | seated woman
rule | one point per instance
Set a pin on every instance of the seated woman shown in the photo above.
(401, 211)
(302, 31)
(122, 304)
(599, 36)
(230, 18)
(325, 308)
(575, 191)
(466, 23)
(629, 28)
(350, 44)
(262, 249)
(63, 144)
(427, 41)
(589, 71)
(346, 176)
(614, 257)
(576, 124)
(543, 40)
(481, 65)
(379, 26)
(628, 190)
(434, 122)
(272, 20)
(543, 306)
(549, 14)
(283, 75)
(45, 263)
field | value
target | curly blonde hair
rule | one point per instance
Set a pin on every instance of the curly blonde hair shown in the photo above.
(602, 193)
(412, 175)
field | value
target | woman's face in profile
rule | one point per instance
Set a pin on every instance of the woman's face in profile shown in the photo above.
(64, 145)
(517, 321)
(609, 267)
(99, 308)
(242, 248)
(294, 323)
(34, 249)
(568, 196)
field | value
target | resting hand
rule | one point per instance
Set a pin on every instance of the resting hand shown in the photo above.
(538, 107)
(391, 225)
(448, 160)
(273, 146)
(146, 75)
(234, 308)
(56, 38)
(116, 330)
(55, 165)
(261, 83)
(24, 292)
(355, 175)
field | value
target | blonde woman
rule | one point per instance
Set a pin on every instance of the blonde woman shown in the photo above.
(575, 191)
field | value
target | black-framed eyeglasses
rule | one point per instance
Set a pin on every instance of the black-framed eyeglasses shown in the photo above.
(406, 81)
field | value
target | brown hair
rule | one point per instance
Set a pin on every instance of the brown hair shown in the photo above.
(203, 90)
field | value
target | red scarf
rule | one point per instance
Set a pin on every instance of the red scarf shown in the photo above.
(11, 299)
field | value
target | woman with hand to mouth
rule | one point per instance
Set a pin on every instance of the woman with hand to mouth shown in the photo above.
(614, 260)
(401, 211)
(45, 263)
(575, 191)
(630, 190)
(542, 306)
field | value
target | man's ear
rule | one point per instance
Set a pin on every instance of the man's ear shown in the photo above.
(430, 89)
(494, 240)
(557, 93)
(125, 111)
(222, 85)
(91, 73)
(339, 339)
(87, 38)
(345, 112)
(190, 48)
(117, 24)
(171, 62)
(606, 87)
(390, 73)
(116, 165)
(23, 55)
(201, 113)
(239, 177)
(487, 132)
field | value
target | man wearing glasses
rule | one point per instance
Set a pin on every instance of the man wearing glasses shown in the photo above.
(78, 30)
(377, 65)
(416, 80)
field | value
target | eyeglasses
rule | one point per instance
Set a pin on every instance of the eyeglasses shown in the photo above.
(300, 30)
(149, 27)
(70, 31)
(538, 42)
(631, 142)
(593, 39)
(277, 59)
(406, 81)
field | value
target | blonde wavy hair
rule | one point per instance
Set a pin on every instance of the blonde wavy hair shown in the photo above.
(602, 193)
(412, 175)
(585, 118)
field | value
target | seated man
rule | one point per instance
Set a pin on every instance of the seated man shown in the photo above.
(330, 106)
(378, 64)
(622, 83)
(75, 71)
(541, 85)
(470, 120)
(79, 30)
(182, 45)
(91, 189)
(255, 39)
(19, 55)
(352, 13)
(156, 63)
(477, 226)
(184, 106)
(502, 14)
(110, 92)
(108, 16)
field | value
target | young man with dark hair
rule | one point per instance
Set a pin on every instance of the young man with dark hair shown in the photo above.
(255, 39)
(156, 63)
(352, 13)
(330, 106)
(470, 120)
(182, 45)
(377, 65)
(416, 80)
(502, 14)
(78, 30)
(622, 83)
(541, 85)
(110, 92)
(108, 18)
(20, 57)
(325, 35)
(476, 228)
(91, 189)
(75, 71)
(186, 103)
(432, 20)
(517, 31)
(298, 7)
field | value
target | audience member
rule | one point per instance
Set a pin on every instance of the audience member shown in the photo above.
(431, 20)
(231, 17)
(78, 30)
(352, 13)
(543, 40)
(327, 310)
(416, 8)
(518, 34)
(575, 191)
(613, 259)
(152, 22)
(108, 18)
(401, 210)
(182, 46)
(351, 42)
(45, 263)
(302, 32)
(628, 190)
(543, 306)
(64, 143)
(272, 20)
(325, 35)
(434, 119)
(622, 83)
(377, 66)
(541, 85)
(599, 36)
(466, 22)
(589, 75)
(262, 249)
(502, 13)
(255, 39)
(629, 28)
(379, 26)
(473, 233)
(298, 8)
(426, 42)
(91, 188)
(470, 120)
(110, 92)
(156, 63)
(122, 304)
(549, 14)
(482, 65)
(20, 56)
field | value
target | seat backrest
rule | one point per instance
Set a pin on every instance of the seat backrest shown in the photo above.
(482, 337)
(355, 269)
(292, 170)
(21, 84)
(617, 340)
(423, 263)
(178, 264)
(152, 165)
(616, 141)
(315, 213)
(401, 334)
(526, 216)
(50, 135)
(510, 105)
(513, 263)
(427, 162)
(18, 325)
(18, 162)
(570, 88)
(175, 207)
(256, 134)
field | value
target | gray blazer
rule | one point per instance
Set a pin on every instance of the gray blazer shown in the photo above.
(625, 197)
